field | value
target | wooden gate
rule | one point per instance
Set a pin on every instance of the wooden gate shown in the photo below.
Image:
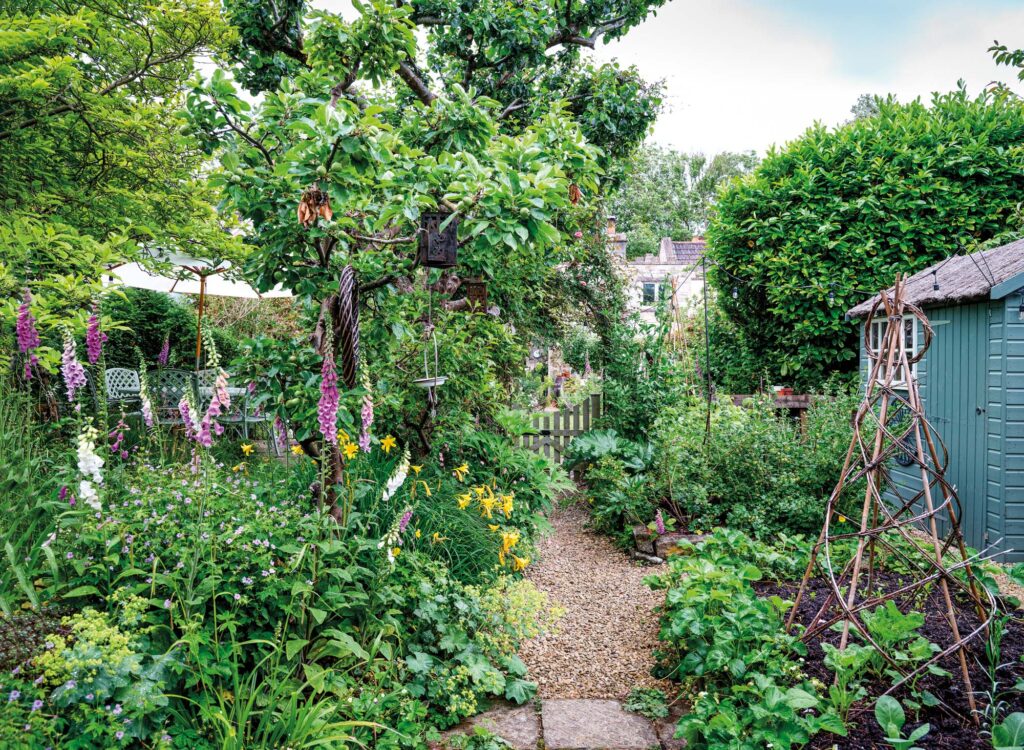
(556, 428)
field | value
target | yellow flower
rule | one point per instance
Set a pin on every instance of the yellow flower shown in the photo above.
(509, 539)
(460, 472)
(343, 437)
(417, 534)
(351, 449)
(520, 563)
(396, 551)
(416, 469)
(247, 449)
(493, 526)
(238, 467)
(479, 491)
(388, 443)
(842, 519)
(297, 450)
(464, 501)
(487, 506)
(437, 538)
(506, 505)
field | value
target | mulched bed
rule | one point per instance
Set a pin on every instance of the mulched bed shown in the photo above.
(947, 732)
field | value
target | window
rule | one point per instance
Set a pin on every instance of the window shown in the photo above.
(650, 293)
(653, 291)
(911, 335)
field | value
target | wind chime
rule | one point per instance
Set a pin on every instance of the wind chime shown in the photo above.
(889, 424)
(438, 248)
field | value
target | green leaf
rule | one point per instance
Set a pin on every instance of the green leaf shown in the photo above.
(1009, 735)
(889, 713)
(294, 646)
(419, 662)
(519, 690)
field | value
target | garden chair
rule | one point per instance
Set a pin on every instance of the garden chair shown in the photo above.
(123, 387)
(167, 388)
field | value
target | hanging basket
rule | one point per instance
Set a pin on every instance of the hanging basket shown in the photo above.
(438, 247)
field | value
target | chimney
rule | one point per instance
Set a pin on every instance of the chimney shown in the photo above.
(611, 226)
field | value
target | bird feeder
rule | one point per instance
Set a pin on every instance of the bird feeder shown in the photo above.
(476, 295)
(438, 247)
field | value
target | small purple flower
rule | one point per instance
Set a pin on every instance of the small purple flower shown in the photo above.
(119, 734)
(327, 409)
(237, 597)
(89, 696)
(70, 555)
(28, 335)
(403, 524)
(165, 352)
(71, 368)
(13, 696)
(37, 704)
(117, 710)
(94, 337)
(62, 495)
(367, 415)
(659, 522)
(167, 603)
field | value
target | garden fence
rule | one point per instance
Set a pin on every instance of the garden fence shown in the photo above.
(555, 429)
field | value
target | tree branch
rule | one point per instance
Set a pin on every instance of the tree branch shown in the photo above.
(408, 74)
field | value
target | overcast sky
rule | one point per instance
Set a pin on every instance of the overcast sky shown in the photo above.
(746, 74)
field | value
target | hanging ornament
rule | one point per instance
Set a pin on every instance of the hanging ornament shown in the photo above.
(315, 203)
(476, 294)
(438, 247)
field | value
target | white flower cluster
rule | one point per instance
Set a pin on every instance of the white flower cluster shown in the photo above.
(398, 478)
(90, 465)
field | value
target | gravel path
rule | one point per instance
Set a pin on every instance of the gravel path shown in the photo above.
(603, 646)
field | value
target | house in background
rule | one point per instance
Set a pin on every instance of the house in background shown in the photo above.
(971, 381)
(674, 273)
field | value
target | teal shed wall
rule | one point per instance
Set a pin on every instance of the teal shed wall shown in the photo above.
(972, 385)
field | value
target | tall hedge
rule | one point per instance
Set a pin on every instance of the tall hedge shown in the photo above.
(837, 212)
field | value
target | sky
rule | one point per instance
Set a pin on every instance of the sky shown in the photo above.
(746, 74)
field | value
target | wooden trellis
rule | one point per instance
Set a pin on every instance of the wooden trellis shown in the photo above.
(891, 423)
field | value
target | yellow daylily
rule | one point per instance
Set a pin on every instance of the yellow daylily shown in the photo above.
(460, 472)
(396, 551)
(509, 539)
(493, 527)
(417, 534)
(297, 450)
(464, 501)
(238, 467)
(437, 538)
(343, 437)
(388, 443)
(416, 469)
(247, 449)
(351, 449)
(520, 563)
(506, 505)
(426, 487)
(487, 506)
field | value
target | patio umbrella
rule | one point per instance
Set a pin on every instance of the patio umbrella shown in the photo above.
(191, 276)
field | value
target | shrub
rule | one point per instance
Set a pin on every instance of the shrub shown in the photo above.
(618, 500)
(756, 471)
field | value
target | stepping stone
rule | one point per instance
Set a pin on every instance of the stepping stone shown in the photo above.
(594, 725)
(519, 726)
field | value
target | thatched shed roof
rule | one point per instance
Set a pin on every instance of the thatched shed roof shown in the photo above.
(989, 274)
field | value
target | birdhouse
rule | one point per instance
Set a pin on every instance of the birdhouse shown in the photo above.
(438, 247)
(476, 294)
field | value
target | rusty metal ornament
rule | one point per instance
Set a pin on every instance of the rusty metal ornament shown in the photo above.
(438, 247)
(476, 295)
(348, 333)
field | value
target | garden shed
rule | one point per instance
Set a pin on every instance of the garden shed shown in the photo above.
(972, 385)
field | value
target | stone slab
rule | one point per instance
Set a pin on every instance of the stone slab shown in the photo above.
(519, 726)
(594, 725)
(668, 544)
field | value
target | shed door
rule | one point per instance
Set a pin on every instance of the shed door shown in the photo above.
(953, 389)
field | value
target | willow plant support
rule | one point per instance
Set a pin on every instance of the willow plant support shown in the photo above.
(891, 422)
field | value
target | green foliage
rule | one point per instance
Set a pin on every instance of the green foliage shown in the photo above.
(667, 193)
(649, 702)
(1009, 733)
(889, 715)
(831, 217)
(618, 500)
(755, 471)
(95, 164)
(591, 447)
(737, 665)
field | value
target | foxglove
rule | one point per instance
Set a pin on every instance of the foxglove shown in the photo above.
(28, 335)
(71, 368)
